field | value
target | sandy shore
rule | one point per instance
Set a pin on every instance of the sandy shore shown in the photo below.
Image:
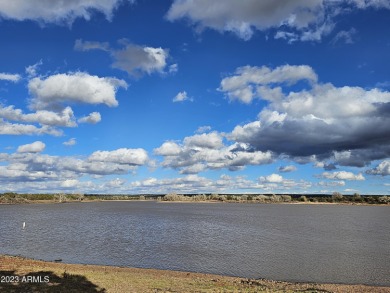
(19, 274)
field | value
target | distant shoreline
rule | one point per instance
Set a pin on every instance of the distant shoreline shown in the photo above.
(335, 198)
(68, 277)
(188, 201)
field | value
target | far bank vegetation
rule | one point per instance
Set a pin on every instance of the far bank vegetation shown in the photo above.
(336, 197)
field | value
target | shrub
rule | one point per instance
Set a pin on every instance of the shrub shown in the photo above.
(337, 196)
(383, 199)
(214, 196)
(222, 197)
(175, 197)
(200, 197)
(302, 198)
(275, 198)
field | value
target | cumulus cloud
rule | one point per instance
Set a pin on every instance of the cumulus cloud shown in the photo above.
(382, 169)
(48, 120)
(250, 82)
(121, 156)
(64, 117)
(55, 90)
(28, 165)
(273, 178)
(181, 97)
(136, 60)
(202, 129)
(92, 118)
(26, 129)
(343, 123)
(305, 20)
(206, 151)
(10, 77)
(69, 183)
(56, 11)
(285, 169)
(70, 142)
(332, 183)
(211, 140)
(342, 175)
(242, 18)
(168, 148)
(192, 183)
(35, 147)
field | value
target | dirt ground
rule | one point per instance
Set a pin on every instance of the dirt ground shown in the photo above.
(19, 274)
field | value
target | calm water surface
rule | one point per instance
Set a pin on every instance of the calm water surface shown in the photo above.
(316, 243)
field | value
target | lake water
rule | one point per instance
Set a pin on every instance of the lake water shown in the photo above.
(316, 243)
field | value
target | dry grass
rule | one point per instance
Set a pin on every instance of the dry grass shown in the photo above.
(89, 278)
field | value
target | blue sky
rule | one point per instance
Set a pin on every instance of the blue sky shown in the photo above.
(115, 96)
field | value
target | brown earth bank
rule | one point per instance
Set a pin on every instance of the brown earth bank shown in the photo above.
(18, 274)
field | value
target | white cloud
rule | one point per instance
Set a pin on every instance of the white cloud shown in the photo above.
(289, 168)
(346, 37)
(362, 4)
(250, 82)
(273, 178)
(10, 77)
(242, 18)
(69, 183)
(194, 169)
(23, 172)
(92, 118)
(136, 60)
(322, 120)
(181, 97)
(342, 175)
(35, 147)
(27, 165)
(332, 183)
(115, 183)
(173, 68)
(70, 142)
(26, 129)
(49, 120)
(202, 129)
(382, 169)
(211, 140)
(121, 156)
(63, 117)
(168, 148)
(195, 184)
(290, 37)
(81, 45)
(207, 151)
(56, 11)
(32, 69)
(79, 87)
(305, 20)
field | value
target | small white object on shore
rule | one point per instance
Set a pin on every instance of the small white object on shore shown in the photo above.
(24, 225)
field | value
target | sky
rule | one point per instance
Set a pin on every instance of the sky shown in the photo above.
(195, 96)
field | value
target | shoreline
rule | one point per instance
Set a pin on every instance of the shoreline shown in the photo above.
(189, 201)
(64, 277)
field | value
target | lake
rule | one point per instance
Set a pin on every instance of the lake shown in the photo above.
(308, 243)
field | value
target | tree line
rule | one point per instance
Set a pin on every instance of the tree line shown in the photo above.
(336, 197)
